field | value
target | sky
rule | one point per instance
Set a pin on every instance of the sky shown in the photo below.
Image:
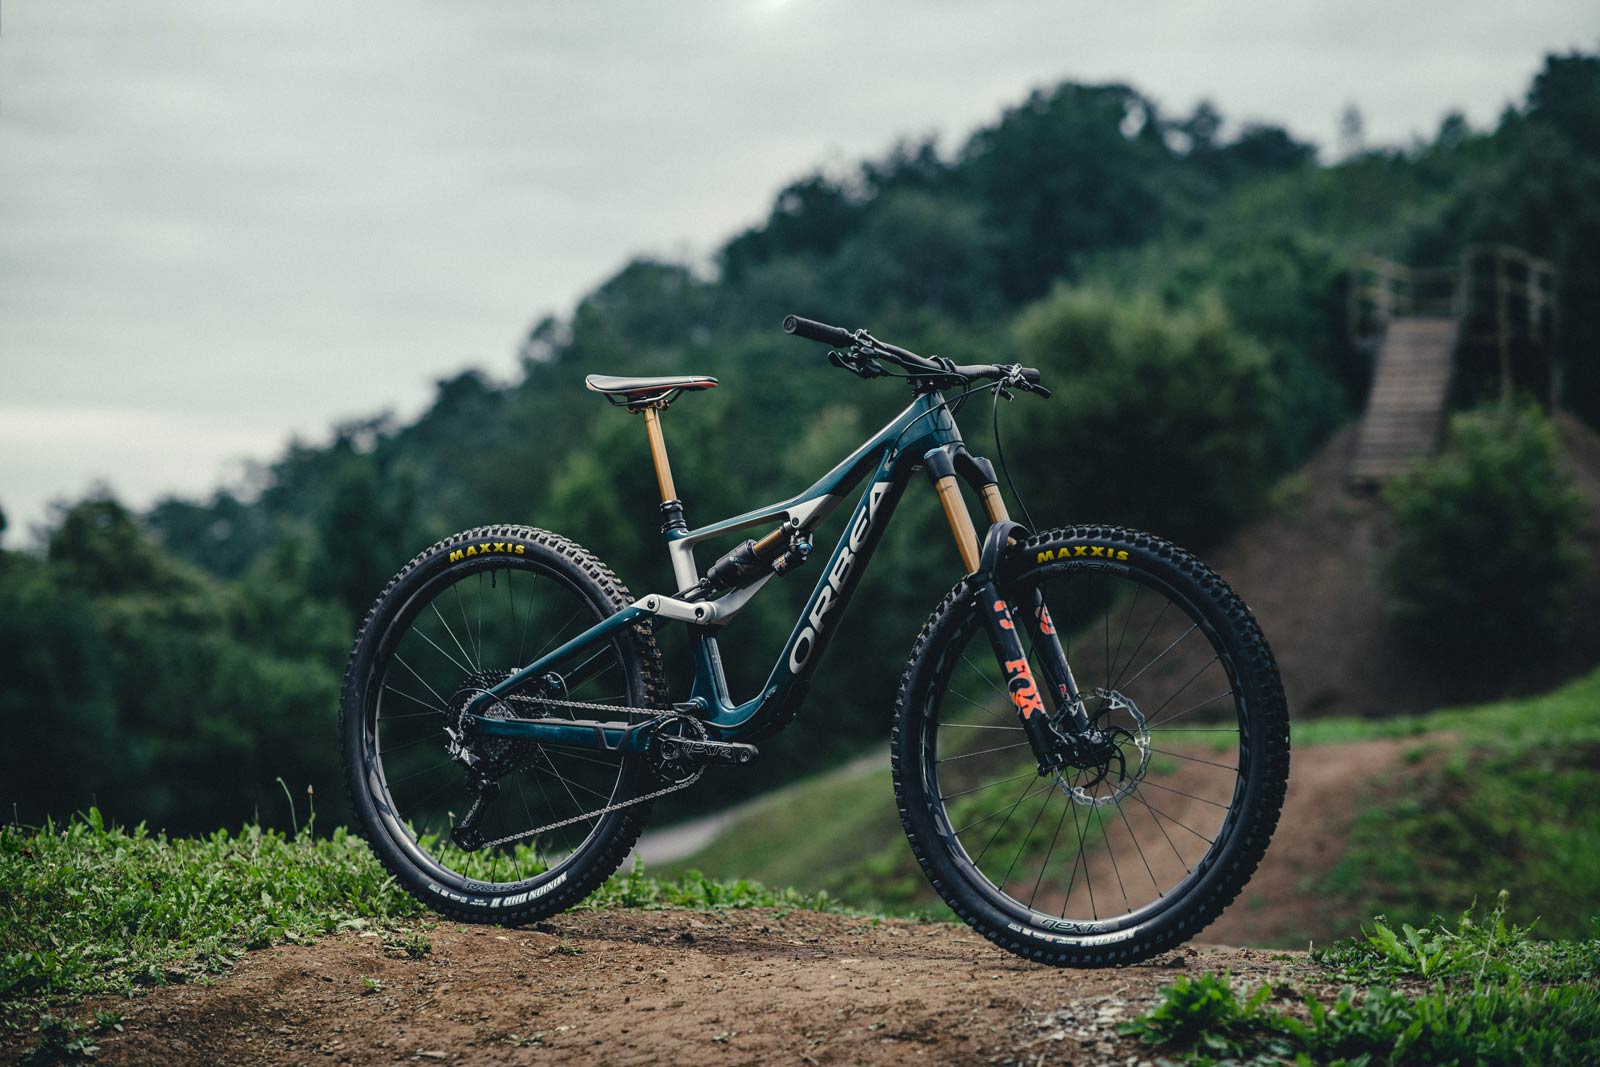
(222, 225)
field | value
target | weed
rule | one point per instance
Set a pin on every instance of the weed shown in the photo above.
(1486, 1004)
(412, 945)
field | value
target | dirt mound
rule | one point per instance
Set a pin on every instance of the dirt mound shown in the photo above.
(1312, 572)
(619, 987)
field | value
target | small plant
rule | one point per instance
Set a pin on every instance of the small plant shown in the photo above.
(61, 1040)
(373, 985)
(567, 948)
(414, 945)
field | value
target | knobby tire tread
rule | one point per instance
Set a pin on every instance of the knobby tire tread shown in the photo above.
(1269, 713)
(589, 872)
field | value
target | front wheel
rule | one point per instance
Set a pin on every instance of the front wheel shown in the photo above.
(1112, 862)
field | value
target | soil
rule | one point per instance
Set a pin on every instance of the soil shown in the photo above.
(1312, 571)
(633, 987)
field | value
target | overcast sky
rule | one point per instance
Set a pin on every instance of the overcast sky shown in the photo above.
(222, 224)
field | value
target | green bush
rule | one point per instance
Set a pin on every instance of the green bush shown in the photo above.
(1486, 553)
(1162, 420)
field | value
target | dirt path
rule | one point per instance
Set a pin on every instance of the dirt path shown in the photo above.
(749, 987)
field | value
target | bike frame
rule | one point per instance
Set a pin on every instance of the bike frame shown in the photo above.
(923, 436)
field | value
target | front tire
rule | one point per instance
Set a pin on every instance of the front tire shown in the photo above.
(463, 614)
(1114, 863)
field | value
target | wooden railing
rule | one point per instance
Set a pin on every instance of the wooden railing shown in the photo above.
(1501, 296)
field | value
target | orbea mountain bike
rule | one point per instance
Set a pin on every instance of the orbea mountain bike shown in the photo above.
(1090, 743)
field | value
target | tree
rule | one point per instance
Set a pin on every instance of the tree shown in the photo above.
(1161, 421)
(1486, 553)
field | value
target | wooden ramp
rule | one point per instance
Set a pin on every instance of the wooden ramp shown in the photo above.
(1404, 419)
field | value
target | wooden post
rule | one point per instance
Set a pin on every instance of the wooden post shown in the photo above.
(1502, 301)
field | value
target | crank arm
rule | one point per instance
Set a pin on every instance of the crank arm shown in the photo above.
(694, 750)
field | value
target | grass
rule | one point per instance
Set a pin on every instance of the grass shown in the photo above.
(1496, 997)
(1504, 797)
(87, 908)
(1494, 794)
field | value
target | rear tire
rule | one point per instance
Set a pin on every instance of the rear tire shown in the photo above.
(473, 606)
(1172, 829)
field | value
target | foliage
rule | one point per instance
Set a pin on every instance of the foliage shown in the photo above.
(172, 667)
(86, 907)
(1485, 554)
(1494, 1000)
(1493, 948)
(1171, 414)
(144, 684)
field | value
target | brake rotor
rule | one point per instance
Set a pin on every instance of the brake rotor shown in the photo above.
(1124, 768)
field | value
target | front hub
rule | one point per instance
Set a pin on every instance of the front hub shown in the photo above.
(1110, 761)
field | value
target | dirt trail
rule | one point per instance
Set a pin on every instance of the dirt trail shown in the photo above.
(621, 987)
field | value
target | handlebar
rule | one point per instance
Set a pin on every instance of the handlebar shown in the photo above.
(864, 347)
(812, 330)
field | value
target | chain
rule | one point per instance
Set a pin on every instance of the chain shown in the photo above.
(582, 705)
(607, 810)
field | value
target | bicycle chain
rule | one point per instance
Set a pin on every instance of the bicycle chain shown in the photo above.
(598, 812)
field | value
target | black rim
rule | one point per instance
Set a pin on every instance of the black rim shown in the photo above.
(467, 623)
(1103, 849)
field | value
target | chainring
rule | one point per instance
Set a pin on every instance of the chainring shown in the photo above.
(673, 771)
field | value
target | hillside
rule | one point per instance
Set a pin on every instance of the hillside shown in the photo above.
(1386, 815)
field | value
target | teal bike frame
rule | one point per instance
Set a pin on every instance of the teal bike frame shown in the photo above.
(886, 462)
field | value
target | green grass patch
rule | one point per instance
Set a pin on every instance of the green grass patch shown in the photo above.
(87, 908)
(1497, 997)
(1504, 796)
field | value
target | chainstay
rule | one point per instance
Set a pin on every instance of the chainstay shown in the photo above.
(584, 705)
(607, 810)
(581, 705)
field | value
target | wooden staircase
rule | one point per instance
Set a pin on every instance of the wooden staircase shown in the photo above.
(1419, 322)
(1404, 420)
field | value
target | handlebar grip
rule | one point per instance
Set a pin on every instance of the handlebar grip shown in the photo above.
(812, 330)
(1031, 374)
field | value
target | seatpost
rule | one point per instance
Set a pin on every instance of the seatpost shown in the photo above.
(671, 506)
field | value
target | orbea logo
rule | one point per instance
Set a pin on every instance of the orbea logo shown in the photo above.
(833, 591)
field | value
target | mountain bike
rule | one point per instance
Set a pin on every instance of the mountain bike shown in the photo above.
(1090, 742)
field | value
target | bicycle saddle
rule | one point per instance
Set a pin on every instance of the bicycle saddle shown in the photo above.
(641, 392)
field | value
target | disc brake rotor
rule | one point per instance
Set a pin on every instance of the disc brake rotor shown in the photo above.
(1125, 768)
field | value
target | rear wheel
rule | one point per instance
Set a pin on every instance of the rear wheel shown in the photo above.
(1115, 861)
(458, 618)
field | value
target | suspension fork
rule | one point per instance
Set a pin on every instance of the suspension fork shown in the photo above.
(1054, 739)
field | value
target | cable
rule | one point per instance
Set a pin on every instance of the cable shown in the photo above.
(1005, 469)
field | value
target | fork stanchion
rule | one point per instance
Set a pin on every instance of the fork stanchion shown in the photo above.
(942, 472)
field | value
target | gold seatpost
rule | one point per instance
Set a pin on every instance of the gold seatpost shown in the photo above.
(658, 454)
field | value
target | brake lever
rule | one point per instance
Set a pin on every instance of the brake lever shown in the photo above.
(861, 367)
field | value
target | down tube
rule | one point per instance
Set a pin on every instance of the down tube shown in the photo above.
(803, 651)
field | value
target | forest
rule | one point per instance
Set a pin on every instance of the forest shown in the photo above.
(1181, 280)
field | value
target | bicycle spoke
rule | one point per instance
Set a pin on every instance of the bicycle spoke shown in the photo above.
(1180, 729)
(982, 752)
(451, 631)
(1164, 651)
(1196, 759)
